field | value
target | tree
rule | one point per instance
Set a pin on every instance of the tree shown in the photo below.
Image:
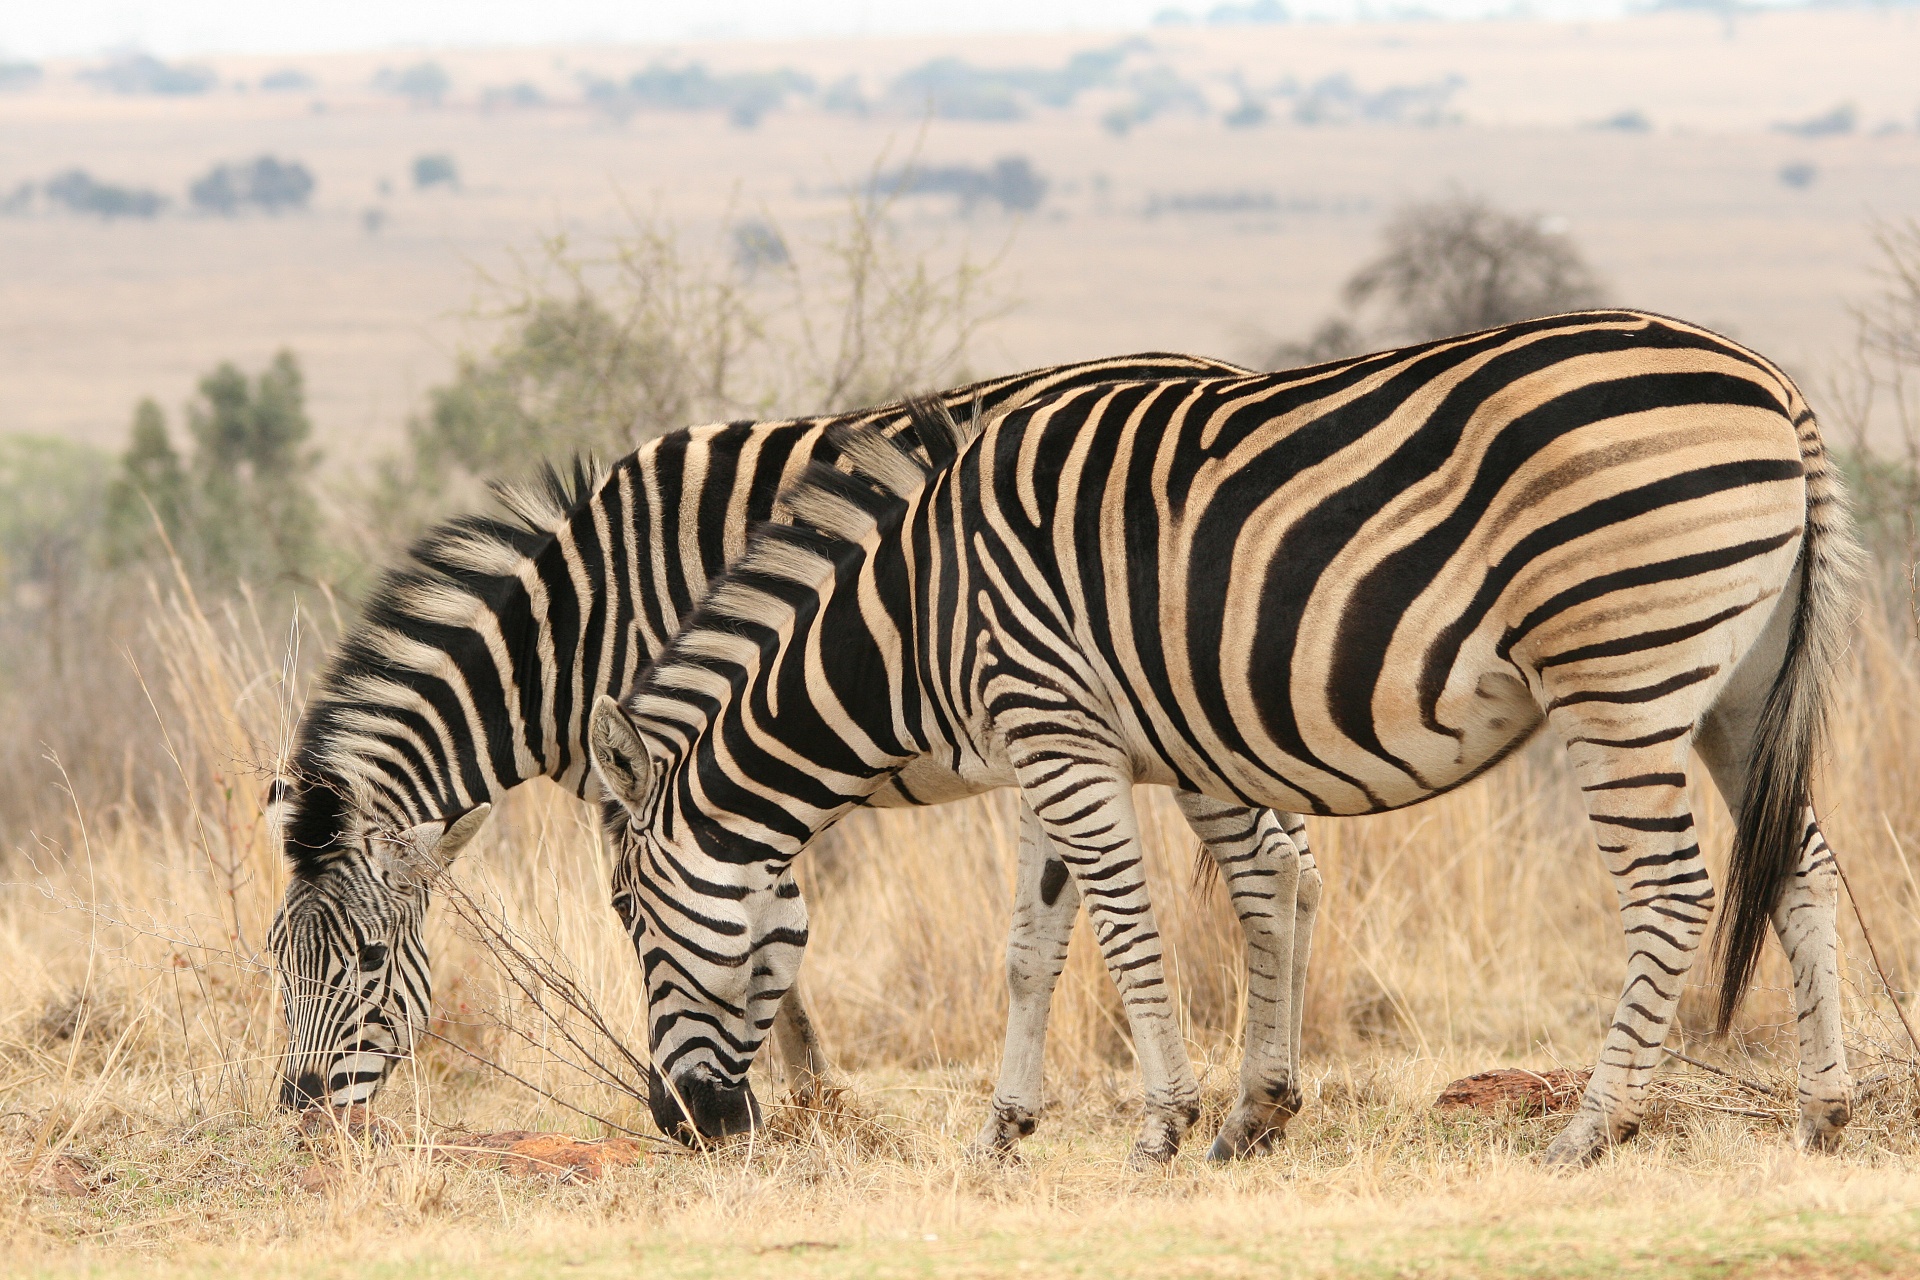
(1458, 264)
(150, 489)
(1447, 266)
(242, 506)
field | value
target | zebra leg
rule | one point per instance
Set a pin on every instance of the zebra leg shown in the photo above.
(1636, 798)
(1085, 807)
(1807, 923)
(1306, 910)
(1045, 905)
(809, 1073)
(1261, 869)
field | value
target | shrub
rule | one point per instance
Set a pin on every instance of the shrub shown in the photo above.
(435, 171)
(425, 83)
(77, 191)
(1011, 182)
(264, 183)
(744, 96)
(141, 73)
(287, 80)
(19, 75)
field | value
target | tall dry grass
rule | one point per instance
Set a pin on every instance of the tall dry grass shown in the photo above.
(139, 1029)
(1478, 926)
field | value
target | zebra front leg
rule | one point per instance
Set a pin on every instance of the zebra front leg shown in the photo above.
(809, 1073)
(1045, 904)
(1261, 869)
(1085, 807)
(1636, 798)
(1306, 910)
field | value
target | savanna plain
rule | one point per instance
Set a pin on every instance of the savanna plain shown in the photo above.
(139, 1025)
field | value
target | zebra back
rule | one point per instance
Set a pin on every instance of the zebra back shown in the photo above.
(477, 660)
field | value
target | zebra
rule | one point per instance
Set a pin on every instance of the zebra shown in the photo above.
(473, 671)
(1337, 590)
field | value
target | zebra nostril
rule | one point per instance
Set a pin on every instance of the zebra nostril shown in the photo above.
(310, 1089)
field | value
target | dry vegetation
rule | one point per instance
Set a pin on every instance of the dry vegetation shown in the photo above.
(139, 1030)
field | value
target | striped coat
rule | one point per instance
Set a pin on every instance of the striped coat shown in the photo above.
(1337, 590)
(474, 669)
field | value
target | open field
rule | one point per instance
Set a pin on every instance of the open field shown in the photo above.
(139, 1032)
(1255, 229)
(139, 1024)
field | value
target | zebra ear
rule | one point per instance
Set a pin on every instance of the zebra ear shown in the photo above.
(441, 842)
(619, 755)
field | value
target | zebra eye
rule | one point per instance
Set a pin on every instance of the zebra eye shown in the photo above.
(373, 955)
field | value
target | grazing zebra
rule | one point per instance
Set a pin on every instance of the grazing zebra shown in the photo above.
(474, 670)
(1336, 590)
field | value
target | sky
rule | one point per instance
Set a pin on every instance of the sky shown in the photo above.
(173, 28)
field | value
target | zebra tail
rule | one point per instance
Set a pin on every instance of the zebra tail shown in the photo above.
(1772, 826)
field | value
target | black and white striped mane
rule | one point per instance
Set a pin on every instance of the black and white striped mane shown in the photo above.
(453, 574)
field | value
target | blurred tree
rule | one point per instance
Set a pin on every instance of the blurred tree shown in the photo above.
(1458, 264)
(599, 353)
(242, 507)
(150, 489)
(1447, 266)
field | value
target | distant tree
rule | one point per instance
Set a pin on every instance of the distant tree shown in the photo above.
(77, 191)
(18, 75)
(435, 171)
(426, 83)
(242, 505)
(1449, 266)
(1458, 264)
(141, 73)
(150, 488)
(287, 80)
(264, 183)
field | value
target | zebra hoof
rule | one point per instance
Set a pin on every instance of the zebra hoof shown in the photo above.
(1160, 1139)
(1250, 1131)
(1001, 1134)
(1585, 1140)
(1821, 1123)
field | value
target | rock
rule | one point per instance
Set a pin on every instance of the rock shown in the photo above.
(1515, 1091)
(63, 1175)
(357, 1121)
(524, 1154)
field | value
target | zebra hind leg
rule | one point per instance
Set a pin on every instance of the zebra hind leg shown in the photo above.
(1261, 869)
(1806, 921)
(1636, 798)
(1045, 906)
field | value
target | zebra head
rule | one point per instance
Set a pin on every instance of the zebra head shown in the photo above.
(719, 925)
(354, 977)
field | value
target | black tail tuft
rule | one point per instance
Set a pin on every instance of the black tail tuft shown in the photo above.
(1772, 823)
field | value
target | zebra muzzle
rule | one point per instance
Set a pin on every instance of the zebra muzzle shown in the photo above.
(718, 1109)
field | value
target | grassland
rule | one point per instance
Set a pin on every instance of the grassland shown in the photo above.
(138, 1034)
(1688, 218)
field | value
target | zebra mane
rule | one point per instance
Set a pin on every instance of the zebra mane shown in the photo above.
(828, 513)
(449, 577)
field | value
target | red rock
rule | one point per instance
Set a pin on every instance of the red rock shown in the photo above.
(524, 1154)
(1515, 1091)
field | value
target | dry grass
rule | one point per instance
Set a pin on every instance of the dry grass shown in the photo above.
(138, 1033)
